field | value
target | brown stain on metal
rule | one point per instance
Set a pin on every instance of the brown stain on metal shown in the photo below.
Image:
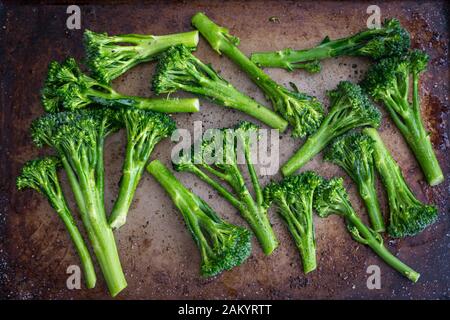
(158, 255)
(436, 113)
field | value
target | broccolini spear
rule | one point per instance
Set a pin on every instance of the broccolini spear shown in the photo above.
(144, 130)
(111, 56)
(78, 137)
(303, 112)
(222, 245)
(293, 197)
(353, 152)
(179, 69)
(219, 156)
(349, 108)
(69, 88)
(389, 81)
(332, 198)
(407, 215)
(41, 175)
(389, 40)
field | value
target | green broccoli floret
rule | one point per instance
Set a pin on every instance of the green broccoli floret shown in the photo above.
(303, 112)
(389, 40)
(41, 175)
(389, 81)
(144, 129)
(111, 56)
(354, 153)
(349, 108)
(220, 156)
(332, 198)
(78, 137)
(407, 215)
(293, 198)
(222, 245)
(66, 86)
(179, 69)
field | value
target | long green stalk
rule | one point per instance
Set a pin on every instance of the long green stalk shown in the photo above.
(312, 146)
(114, 99)
(78, 241)
(223, 93)
(131, 175)
(101, 236)
(376, 244)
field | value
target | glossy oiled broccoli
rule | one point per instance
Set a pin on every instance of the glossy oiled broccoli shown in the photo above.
(67, 87)
(392, 81)
(407, 215)
(179, 69)
(354, 153)
(222, 245)
(41, 175)
(293, 198)
(220, 156)
(78, 137)
(110, 56)
(144, 130)
(349, 108)
(332, 198)
(389, 40)
(303, 112)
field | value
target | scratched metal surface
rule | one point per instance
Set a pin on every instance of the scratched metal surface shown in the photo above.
(159, 258)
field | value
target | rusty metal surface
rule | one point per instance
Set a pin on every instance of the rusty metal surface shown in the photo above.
(159, 258)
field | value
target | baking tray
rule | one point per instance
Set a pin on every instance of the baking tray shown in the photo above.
(158, 255)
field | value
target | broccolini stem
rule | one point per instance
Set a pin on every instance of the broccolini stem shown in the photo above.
(419, 141)
(170, 183)
(303, 237)
(253, 177)
(384, 164)
(74, 185)
(222, 42)
(258, 76)
(377, 246)
(219, 174)
(104, 244)
(312, 146)
(229, 97)
(370, 197)
(222, 191)
(78, 241)
(79, 199)
(100, 234)
(422, 148)
(288, 58)
(255, 215)
(307, 250)
(149, 46)
(258, 220)
(154, 104)
(413, 130)
(108, 258)
(166, 178)
(100, 178)
(168, 105)
(127, 188)
(184, 200)
(189, 39)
